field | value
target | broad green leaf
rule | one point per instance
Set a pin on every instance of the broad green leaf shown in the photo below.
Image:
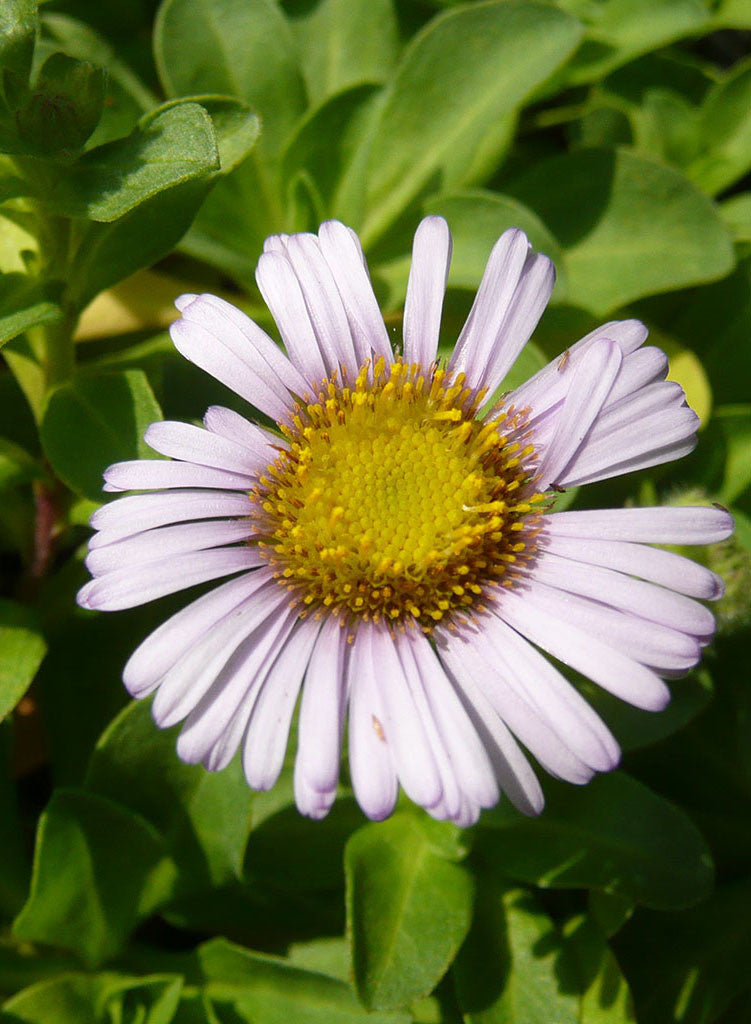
(725, 129)
(326, 139)
(64, 107)
(22, 648)
(127, 98)
(89, 998)
(18, 21)
(241, 48)
(689, 967)
(734, 423)
(98, 870)
(330, 37)
(509, 969)
(325, 956)
(236, 127)
(263, 990)
(620, 30)
(408, 910)
(94, 421)
(18, 245)
(16, 465)
(477, 220)
(606, 998)
(167, 148)
(612, 834)
(204, 817)
(736, 212)
(628, 227)
(458, 82)
(24, 303)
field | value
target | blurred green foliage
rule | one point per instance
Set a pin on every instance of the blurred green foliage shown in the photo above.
(617, 134)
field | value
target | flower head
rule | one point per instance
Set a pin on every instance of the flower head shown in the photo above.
(396, 561)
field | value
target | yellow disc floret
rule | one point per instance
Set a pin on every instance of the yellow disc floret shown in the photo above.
(393, 500)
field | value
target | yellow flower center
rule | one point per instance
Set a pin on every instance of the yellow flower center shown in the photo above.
(394, 501)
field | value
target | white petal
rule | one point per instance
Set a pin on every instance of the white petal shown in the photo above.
(426, 288)
(663, 567)
(261, 443)
(588, 390)
(169, 540)
(370, 762)
(661, 525)
(153, 474)
(162, 648)
(265, 741)
(189, 443)
(610, 668)
(128, 588)
(281, 292)
(639, 370)
(135, 513)
(322, 709)
(365, 320)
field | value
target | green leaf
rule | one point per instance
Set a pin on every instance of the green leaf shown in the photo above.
(64, 107)
(24, 303)
(94, 421)
(612, 834)
(16, 465)
(98, 870)
(83, 998)
(408, 910)
(606, 997)
(734, 425)
(628, 227)
(467, 71)
(22, 648)
(167, 148)
(330, 37)
(508, 971)
(725, 133)
(259, 989)
(236, 127)
(241, 48)
(689, 967)
(204, 817)
(736, 212)
(477, 220)
(18, 22)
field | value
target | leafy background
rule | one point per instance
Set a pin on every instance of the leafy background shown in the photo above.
(148, 151)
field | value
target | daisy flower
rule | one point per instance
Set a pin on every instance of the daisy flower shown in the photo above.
(396, 561)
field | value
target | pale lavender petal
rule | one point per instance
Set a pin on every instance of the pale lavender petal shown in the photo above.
(310, 802)
(281, 292)
(527, 306)
(550, 384)
(323, 302)
(237, 685)
(470, 657)
(647, 600)
(554, 698)
(601, 464)
(470, 767)
(661, 525)
(401, 725)
(663, 567)
(183, 301)
(135, 513)
(481, 333)
(201, 347)
(667, 651)
(426, 288)
(166, 541)
(516, 777)
(189, 443)
(322, 709)
(262, 444)
(639, 370)
(246, 338)
(153, 474)
(343, 256)
(370, 762)
(265, 741)
(191, 676)
(610, 668)
(128, 588)
(162, 648)
(588, 390)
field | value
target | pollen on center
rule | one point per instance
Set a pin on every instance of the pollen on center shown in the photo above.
(394, 500)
